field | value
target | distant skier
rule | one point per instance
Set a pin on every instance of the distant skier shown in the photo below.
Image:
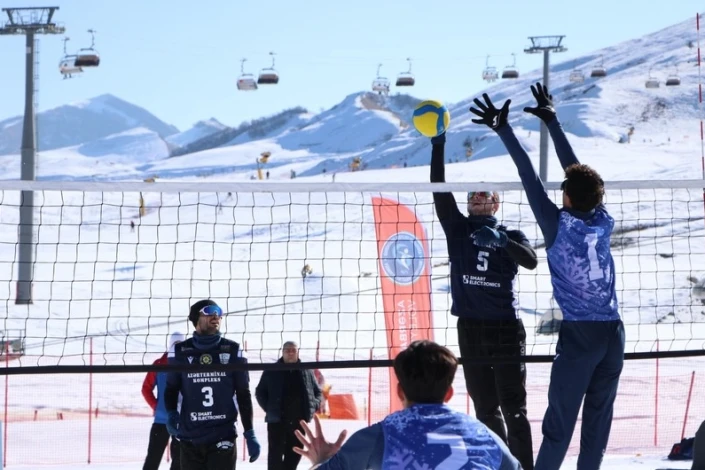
(132, 226)
(306, 271)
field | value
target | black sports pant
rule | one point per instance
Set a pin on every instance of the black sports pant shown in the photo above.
(282, 440)
(158, 439)
(499, 386)
(219, 456)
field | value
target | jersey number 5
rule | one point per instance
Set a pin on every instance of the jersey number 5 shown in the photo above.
(595, 272)
(207, 396)
(482, 258)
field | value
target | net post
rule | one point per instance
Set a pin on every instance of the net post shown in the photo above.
(656, 399)
(687, 404)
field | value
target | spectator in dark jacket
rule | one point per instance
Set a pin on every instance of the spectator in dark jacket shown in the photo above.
(158, 435)
(287, 397)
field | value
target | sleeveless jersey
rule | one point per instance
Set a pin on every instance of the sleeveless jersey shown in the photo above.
(428, 437)
(582, 267)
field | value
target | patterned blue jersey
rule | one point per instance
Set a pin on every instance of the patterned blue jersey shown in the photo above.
(582, 267)
(436, 437)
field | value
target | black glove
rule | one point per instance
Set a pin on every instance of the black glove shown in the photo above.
(544, 109)
(439, 139)
(489, 115)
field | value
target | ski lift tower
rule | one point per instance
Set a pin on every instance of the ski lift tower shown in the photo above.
(545, 44)
(30, 22)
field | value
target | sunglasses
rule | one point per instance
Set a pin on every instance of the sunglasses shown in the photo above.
(486, 194)
(211, 310)
(564, 184)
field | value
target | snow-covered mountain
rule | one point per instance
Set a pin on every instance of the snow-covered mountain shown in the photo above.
(81, 122)
(376, 129)
(199, 130)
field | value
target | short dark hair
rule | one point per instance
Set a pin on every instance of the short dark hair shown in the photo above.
(425, 371)
(584, 187)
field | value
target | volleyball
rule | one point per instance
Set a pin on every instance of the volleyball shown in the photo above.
(431, 118)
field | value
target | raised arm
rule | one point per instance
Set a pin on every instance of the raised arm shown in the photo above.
(446, 206)
(545, 111)
(545, 211)
(564, 150)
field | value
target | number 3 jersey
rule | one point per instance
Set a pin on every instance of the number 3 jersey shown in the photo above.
(428, 437)
(208, 411)
(582, 267)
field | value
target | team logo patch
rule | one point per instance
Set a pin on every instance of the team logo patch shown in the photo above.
(224, 358)
(206, 359)
(224, 445)
(403, 258)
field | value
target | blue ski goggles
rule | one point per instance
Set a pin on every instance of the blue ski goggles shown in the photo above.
(211, 310)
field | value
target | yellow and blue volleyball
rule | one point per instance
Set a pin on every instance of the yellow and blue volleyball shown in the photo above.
(431, 118)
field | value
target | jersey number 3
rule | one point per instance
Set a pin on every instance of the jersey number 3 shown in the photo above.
(207, 396)
(595, 272)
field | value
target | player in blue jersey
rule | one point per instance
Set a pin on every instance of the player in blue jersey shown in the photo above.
(205, 422)
(484, 261)
(425, 434)
(590, 349)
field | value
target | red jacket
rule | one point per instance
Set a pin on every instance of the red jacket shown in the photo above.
(151, 380)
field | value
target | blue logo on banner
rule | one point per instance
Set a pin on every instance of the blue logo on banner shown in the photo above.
(403, 258)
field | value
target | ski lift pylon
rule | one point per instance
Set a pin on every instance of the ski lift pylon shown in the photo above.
(246, 81)
(67, 64)
(380, 84)
(651, 81)
(88, 56)
(268, 76)
(599, 71)
(489, 74)
(406, 78)
(510, 71)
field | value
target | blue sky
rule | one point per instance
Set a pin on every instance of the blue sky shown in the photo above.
(180, 59)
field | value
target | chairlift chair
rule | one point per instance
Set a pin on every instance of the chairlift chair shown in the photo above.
(380, 84)
(576, 76)
(88, 56)
(67, 65)
(268, 76)
(490, 74)
(651, 81)
(673, 80)
(599, 71)
(406, 78)
(510, 71)
(246, 81)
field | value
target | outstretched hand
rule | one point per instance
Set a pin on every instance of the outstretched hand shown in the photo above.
(489, 115)
(315, 446)
(544, 109)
